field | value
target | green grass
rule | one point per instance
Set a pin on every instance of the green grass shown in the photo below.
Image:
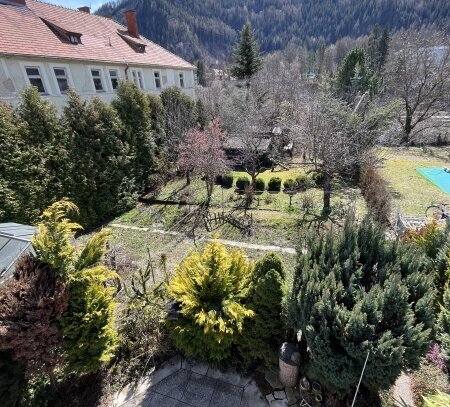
(411, 192)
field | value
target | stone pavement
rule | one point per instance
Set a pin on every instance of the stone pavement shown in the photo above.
(185, 383)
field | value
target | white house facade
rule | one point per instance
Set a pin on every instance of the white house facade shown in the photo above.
(55, 48)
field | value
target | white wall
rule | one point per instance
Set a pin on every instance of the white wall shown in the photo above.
(13, 78)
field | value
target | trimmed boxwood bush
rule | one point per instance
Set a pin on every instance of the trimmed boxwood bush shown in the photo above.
(227, 181)
(242, 182)
(301, 182)
(260, 184)
(274, 184)
(289, 184)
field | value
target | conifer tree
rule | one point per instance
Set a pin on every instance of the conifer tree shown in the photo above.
(11, 147)
(357, 292)
(87, 324)
(43, 163)
(247, 59)
(263, 334)
(443, 325)
(201, 75)
(180, 117)
(134, 112)
(158, 120)
(100, 185)
(355, 75)
(211, 288)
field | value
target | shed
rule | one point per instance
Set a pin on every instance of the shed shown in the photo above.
(15, 239)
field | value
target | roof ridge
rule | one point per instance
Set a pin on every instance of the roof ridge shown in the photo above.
(48, 3)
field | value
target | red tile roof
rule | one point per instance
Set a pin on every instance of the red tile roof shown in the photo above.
(23, 32)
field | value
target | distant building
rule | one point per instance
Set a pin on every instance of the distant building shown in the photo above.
(56, 48)
(15, 240)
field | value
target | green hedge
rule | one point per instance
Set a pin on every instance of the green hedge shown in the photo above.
(260, 184)
(289, 184)
(274, 184)
(242, 182)
(227, 181)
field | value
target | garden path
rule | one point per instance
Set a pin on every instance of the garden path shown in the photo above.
(402, 391)
(233, 243)
(184, 383)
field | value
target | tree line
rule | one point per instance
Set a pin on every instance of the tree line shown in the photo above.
(209, 28)
(102, 156)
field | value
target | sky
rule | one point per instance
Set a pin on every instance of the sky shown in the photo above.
(94, 4)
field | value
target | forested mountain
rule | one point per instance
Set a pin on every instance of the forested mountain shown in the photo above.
(201, 28)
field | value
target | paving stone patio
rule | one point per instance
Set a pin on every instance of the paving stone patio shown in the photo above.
(185, 383)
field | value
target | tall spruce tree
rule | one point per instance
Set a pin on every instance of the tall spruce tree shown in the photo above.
(11, 147)
(43, 163)
(201, 74)
(180, 117)
(357, 293)
(247, 59)
(134, 112)
(355, 76)
(100, 185)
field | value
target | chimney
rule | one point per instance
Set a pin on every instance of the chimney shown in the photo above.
(21, 2)
(85, 9)
(130, 17)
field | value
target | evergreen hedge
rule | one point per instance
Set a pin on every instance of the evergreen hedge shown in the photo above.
(260, 184)
(242, 182)
(274, 184)
(357, 292)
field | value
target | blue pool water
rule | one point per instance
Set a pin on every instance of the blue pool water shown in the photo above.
(437, 176)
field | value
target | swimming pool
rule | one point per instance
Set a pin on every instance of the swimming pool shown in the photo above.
(437, 176)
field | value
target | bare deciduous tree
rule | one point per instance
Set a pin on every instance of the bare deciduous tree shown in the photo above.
(339, 140)
(417, 72)
(248, 118)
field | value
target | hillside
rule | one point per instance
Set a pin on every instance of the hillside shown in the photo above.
(194, 28)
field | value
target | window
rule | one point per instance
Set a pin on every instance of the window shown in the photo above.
(97, 78)
(181, 80)
(141, 81)
(114, 77)
(35, 78)
(137, 78)
(74, 39)
(61, 79)
(157, 80)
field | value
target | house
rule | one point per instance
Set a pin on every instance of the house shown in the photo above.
(15, 240)
(56, 48)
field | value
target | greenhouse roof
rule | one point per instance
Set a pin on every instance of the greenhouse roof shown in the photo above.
(15, 239)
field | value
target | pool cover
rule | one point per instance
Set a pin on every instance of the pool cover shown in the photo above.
(437, 176)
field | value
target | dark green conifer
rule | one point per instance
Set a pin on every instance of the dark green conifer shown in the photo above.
(134, 112)
(357, 292)
(262, 335)
(247, 59)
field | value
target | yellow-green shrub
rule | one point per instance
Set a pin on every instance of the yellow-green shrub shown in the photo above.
(211, 288)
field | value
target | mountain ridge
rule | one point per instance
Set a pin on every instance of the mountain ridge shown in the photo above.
(208, 29)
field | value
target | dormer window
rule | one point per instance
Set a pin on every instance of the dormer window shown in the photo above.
(74, 39)
(63, 33)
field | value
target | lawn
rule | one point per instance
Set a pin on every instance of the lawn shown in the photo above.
(411, 192)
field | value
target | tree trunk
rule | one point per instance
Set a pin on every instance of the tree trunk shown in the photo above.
(188, 177)
(326, 194)
(253, 175)
(209, 190)
(407, 128)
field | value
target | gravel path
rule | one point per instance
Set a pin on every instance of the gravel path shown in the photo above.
(402, 391)
(233, 243)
